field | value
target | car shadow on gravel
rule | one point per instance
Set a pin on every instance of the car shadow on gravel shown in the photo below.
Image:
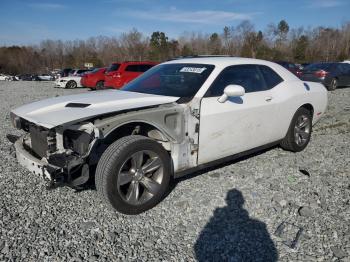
(231, 235)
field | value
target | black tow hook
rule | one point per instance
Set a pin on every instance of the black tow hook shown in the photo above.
(12, 138)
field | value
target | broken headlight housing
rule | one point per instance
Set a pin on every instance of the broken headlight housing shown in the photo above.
(76, 140)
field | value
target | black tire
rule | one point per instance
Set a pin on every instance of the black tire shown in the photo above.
(100, 85)
(290, 141)
(333, 85)
(71, 84)
(110, 166)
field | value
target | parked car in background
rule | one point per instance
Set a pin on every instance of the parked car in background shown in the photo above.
(118, 74)
(176, 118)
(347, 61)
(5, 77)
(26, 77)
(332, 75)
(65, 72)
(71, 81)
(44, 77)
(68, 82)
(94, 79)
(303, 65)
(296, 70)
(79, 72)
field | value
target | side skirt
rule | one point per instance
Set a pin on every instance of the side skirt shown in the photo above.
(226, 159)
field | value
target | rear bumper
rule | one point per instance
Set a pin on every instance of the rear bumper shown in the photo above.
(33, 164)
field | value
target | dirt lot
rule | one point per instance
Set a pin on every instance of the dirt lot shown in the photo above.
(228, 213)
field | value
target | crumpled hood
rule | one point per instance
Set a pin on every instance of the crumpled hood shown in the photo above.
(66, 109)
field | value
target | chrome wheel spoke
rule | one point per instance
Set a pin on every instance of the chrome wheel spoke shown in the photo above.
(150, 185)
(303, 123)
(152, 165)
(303, 134)
(132, 195)
(136, 160)
(124, 178)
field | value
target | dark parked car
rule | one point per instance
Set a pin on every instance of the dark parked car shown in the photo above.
(65, 72)
(303, 65)
(332, 75)
(26, 77)
(291, 67)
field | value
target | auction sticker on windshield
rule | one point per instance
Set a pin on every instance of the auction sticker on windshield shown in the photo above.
(197, 70)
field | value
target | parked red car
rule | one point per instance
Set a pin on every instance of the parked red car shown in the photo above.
(95, 79)
(118, 74)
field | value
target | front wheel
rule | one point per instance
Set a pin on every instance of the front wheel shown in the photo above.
(133, 174)
(71, 84)
(299, 132)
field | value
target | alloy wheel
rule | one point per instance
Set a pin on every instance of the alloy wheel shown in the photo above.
(302, 130)
(140, 177)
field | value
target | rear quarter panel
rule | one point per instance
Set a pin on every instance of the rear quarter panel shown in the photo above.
(291, 95)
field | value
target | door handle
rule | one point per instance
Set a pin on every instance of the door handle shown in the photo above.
(268, 99)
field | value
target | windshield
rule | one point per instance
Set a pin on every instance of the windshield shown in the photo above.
(179, 80)
(113, 67)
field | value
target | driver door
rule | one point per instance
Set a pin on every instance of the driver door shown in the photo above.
(240, 123)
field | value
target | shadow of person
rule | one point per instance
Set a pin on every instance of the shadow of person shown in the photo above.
(231, 235)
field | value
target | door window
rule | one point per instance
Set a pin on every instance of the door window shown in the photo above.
(247, 76)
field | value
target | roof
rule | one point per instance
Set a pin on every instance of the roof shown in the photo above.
(222, 62)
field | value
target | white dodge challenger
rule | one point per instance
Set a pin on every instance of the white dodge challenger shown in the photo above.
(68, 82)
(178, 117)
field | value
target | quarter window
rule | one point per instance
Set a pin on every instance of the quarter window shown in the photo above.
(144, 68)
(272, 79)
(132, 68)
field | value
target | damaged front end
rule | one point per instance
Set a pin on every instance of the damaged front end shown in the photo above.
(60, 155)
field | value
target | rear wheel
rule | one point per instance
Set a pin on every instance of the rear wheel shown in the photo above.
(99, 85)
(71, 84)
(299, 132)
(133, 174)
(333, 85)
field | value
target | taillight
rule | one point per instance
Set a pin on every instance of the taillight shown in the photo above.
(321, 73)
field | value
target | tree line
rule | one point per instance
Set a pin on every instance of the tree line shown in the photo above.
(276, 42)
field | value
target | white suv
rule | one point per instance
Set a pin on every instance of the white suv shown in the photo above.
(179, 116)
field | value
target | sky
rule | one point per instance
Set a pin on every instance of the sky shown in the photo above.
(26, 22)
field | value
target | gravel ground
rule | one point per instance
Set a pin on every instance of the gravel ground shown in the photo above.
(228, 213)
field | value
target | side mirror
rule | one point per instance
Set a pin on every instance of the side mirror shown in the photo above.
(231, 91)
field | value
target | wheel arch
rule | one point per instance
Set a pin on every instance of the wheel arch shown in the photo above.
(139, 127)
(309, 107)
(70, 81)
(142, 128)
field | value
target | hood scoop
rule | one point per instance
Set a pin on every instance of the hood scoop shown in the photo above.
(78, 105)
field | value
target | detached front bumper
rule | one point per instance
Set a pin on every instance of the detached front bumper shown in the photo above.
(33, 164)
